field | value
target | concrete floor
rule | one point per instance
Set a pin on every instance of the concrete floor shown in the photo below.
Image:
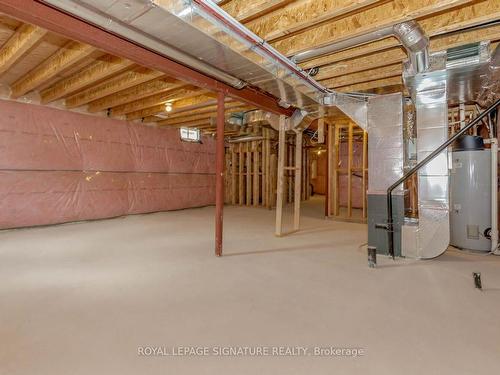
(81, 298)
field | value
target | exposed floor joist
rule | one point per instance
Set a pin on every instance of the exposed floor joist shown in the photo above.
(25, 38)
(105, 67)
(137, 92)
(120, 82)
(63, 59)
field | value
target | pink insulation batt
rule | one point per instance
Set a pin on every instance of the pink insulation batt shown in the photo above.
(58, 166)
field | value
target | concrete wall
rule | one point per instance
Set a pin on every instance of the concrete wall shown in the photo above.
(58, 166)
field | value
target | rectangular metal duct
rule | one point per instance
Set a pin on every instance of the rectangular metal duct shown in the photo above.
(385, 158)
(167, 26)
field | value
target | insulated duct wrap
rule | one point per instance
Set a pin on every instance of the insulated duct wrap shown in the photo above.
(59, 166)
(433, 232)
(490, 85)
(385, 142)
(385, 160)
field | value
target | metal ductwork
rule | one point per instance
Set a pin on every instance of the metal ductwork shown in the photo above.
(454, 76)
(212, 43)
(409, 33)
(300, 119)
(352, 105)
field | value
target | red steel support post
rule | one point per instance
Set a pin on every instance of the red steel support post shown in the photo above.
(219, 174)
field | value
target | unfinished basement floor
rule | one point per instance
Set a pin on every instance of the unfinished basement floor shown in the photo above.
(82, 298)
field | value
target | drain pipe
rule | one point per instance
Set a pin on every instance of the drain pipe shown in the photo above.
(409, 33)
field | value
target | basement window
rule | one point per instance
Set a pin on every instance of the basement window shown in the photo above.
(190, 135)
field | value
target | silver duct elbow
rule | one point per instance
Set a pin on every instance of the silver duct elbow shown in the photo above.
(409, 33)
(416, 43)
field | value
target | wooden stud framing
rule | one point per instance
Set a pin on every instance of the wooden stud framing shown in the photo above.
(256, 167)
(241, 174)
(298, 178)
(234, 180)
(281, 175)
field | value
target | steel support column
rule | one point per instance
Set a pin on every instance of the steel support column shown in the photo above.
(219, 174)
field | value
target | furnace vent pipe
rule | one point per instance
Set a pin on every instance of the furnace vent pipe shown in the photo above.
(410, 34)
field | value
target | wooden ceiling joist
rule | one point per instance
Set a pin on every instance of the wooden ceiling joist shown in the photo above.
(64, 58)
(196, 117)
(240, 10)
(303, 15)
(438, 39)
(395, 55)
(105, 67)
(118, 85)
(368, 20)
(120, 82)
(151, 111)
(365, 76)
(179, 106)
(24, 38)
(375, 60)
(359, 87)
(140, 91)
(157, 99)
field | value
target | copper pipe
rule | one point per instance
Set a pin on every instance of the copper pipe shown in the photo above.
(219, 174)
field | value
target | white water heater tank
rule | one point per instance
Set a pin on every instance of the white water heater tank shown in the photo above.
(470, 189)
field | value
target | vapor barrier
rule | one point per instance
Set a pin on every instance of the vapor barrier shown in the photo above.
(58, 166)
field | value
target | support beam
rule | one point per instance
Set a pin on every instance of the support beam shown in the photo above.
(219, 174)
(25, 38)
(54, 20)
(69, 55)
(105, 67)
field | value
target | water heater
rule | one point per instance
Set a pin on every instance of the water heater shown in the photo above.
(470, 211)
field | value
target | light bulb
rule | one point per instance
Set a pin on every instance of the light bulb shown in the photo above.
(168, 107)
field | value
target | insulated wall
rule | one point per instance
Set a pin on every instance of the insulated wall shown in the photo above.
(58, 166)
